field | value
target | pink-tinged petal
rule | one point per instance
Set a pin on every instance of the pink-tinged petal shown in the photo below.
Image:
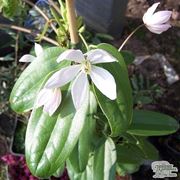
(43, 97)
(99, 56)
(158, 29)
(51, 106)
(104, 81)
(38, 49)
(71, 55)
(62, 77)
(27, 58)
(161, 17)
(147, 16)
(80, 90)
(152, 9)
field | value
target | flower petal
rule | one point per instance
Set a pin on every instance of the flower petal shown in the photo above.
(62, 77)
(54, 102)
(104, 81)
(161, 17)
(158, 29)
(43, 97)
(27, 58)
(80, 90)
(99, 56)
(147, 16)
(71, 55)
(38, 49)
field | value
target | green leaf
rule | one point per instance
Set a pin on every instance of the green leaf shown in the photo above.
(128, 57)
(104, 166)
(86, 175)
(149, 151)
(149, 123)
(50, 140)
(129, 154)
(10, 7)
(29, 83)
(80, 155)
(119, 111)
(135, 149)
(60, 171)
(123, 168)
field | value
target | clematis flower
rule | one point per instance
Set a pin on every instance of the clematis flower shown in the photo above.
(78, 73)
(29, 58)
(157, 22)
(50, 99)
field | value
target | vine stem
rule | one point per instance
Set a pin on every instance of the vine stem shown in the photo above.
(51, 3)
(125, 41)
(29, 31)
(84, 41)
(71, 16)
(42, 14)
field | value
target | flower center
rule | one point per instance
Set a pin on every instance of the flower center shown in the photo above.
(86, 67)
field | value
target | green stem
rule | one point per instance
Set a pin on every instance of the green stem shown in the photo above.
(53, 4)
(84, 41)
(122, 45)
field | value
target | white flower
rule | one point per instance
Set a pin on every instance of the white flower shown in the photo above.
(50, 99)
(85, 65)
(29, 58)
(157, 22)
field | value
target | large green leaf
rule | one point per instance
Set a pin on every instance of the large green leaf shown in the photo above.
(128, 57)
(80, 155)
(149, 151)
(50, 140)
(149, 123)
(124, 168)
(119, 111)
(136, 149)
(60, 171)
(86, 175)
(104, 166)
(129, 154)
(29, 83)
(133, 153)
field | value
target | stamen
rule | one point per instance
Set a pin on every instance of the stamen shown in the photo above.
(86, 67)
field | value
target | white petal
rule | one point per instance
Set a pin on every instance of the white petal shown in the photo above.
(38, 49)
(43, 97)
(152, 9)
(27, 58)
(158, 29)
(147, 16)
(104, 81)
(99, 56)
(63, 76)
(54, 102)
(80, 90)
(161, 17)
(71, 55)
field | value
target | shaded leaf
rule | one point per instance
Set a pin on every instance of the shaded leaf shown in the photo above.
(119, 111)
(149, 123)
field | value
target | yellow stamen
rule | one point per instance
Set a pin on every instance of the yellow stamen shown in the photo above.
(86, 67)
